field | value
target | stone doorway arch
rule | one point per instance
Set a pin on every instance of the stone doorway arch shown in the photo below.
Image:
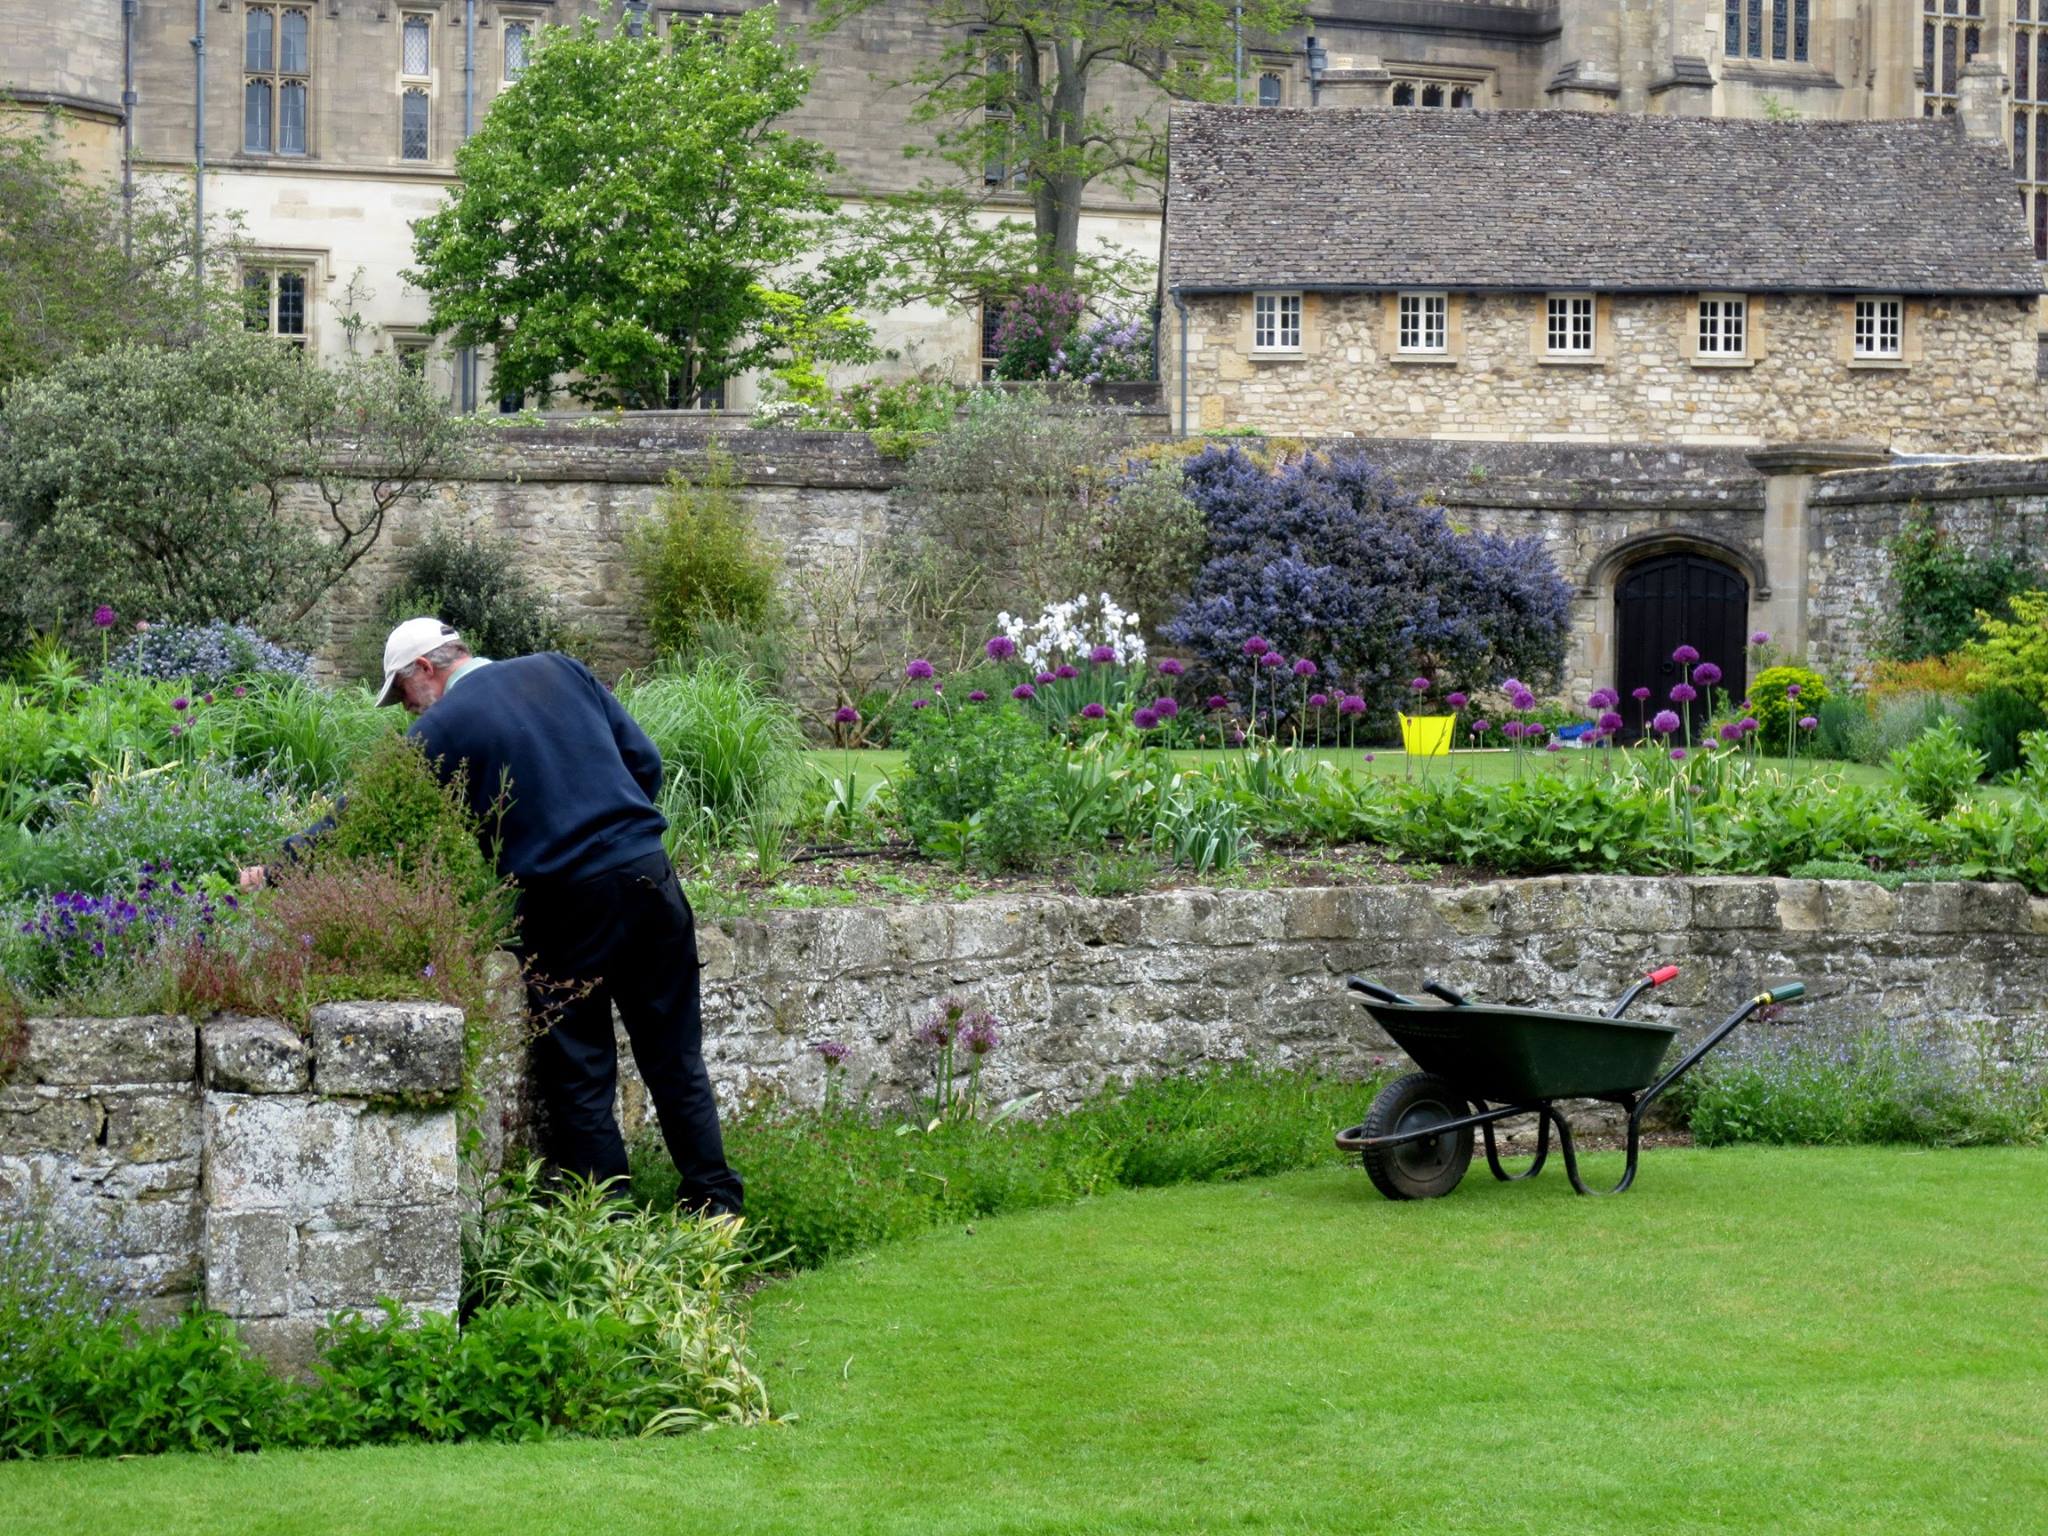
(1671, 598)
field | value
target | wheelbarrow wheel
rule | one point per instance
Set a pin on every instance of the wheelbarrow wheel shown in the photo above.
(1430, 1166)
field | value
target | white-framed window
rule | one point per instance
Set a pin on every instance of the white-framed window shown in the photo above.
(1276, 322)
(277, 300)
(1880, 328)
(1724, 325)
(1271, 89)
(1568, 329)
(277, 78)
(1424, 322)
(518, 48)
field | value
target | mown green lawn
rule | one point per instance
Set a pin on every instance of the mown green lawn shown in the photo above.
(1753, 1340)
(1483, 767)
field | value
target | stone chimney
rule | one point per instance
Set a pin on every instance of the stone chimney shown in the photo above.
(1981, 100)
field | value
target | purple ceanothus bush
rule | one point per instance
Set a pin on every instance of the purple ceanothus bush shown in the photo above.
(1327, 557)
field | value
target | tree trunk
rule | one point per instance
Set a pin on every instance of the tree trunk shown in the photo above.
(1057, 195)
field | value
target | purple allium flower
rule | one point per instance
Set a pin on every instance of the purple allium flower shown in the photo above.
(1749, 724)
(103, 617)
(834, 1052)
(1145, 719)
(1761, 637)
(978, 696)
(1066, 670)
(846, 714)
(241, 692)
(1553, 746)
(1602, 698)
(1511, 685)
(1610, 723)
(1046, 677)
(1706, 674)
(1419, 684)
(1092, 710)
(1102, 653)
(999, 648)
(181, 703)
(1024, 691)
(1304, 668)
(979, 1034)
(1216, 702)
(1792, 690)
(944, 1022)
(1257, 646)
(1640, 695)
(427, 970)
(1678, 754)
(1731, 733)
(918, 670)
(1809, 722)
(1457, 700)
(1664, 723)
(1166, 707)
(1272, 659)
(920, 703)
(177, 731)
(1318, 701)
(1237, 738)
(1522, 698)
(1351, 704)
(1512, 730)
(1172, 666)
(1683, 693)
(208, 699)
(1685, 655)
(1480, 727)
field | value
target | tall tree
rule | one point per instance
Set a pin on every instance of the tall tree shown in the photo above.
(626, 216)
(1048, 97)
(76, 277)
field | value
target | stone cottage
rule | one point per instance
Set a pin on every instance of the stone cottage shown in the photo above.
(1600, 278)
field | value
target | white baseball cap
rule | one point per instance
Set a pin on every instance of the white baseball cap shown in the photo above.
(408, 643)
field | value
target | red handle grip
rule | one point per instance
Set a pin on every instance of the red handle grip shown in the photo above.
(1663, 974)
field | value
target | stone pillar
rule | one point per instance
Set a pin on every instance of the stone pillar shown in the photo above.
(1981, 100)
(1789, 536)
(330, 1168)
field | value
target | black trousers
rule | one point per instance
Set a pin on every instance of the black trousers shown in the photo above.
(627, 937)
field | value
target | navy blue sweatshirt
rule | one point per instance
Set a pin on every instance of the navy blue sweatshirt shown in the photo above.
(580, 775)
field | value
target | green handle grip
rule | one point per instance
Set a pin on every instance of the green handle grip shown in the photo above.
(1791, 992)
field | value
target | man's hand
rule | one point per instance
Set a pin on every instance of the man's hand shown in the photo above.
(253, 878)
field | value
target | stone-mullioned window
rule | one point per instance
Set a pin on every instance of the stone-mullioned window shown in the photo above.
(518, 45)
(415, 96)
(2030, 116)
(1782, 33)
(1434, 93)
(274, 301)
(1951, 33)
(1276, 322)
(277, 78)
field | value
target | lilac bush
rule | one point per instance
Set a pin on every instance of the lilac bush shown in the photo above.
(1034, 326)
(1104, 351)
(1327, 557)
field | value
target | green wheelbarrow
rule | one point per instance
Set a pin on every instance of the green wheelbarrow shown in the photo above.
(1482, 1064)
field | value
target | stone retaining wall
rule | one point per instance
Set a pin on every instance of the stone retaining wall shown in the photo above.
(281, 1178)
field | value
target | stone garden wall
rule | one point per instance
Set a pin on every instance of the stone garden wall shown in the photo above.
(280, 1177)
(284, 1177)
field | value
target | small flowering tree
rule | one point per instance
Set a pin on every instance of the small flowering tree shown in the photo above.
(1105, 350)
(1033, 331)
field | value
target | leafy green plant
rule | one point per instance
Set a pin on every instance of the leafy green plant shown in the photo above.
(1993, 723)
(1943, 589)
(2013, 653)
(1778, 710)
(1939, 769)
(1113, 874)
(729, 749)
(698, 557)
(400, 812)
(1901, 719)
(1847, 731)
(474, 579)
(991, 774)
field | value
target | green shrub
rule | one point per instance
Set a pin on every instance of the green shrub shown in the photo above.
(473, 579)
(1903, 718)
(1847, 732)
(1941, 588)
(1777, 713)
(402, 813)
(1993, 723)
(730, 751)
(2014, 653)
(1939, 769)
(700, 558)
(981, 784)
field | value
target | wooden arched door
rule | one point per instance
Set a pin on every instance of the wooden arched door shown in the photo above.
(1671, 600)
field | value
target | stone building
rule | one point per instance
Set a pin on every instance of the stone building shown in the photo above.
(331, 124)
(1567, 276)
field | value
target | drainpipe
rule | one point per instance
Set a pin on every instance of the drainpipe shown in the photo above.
(466, 365)
(128, 130)
(1181, 305)
(199, 162)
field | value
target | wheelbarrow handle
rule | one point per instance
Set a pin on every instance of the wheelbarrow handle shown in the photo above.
(1655, 978)
(1791, 992)
(1376, 992)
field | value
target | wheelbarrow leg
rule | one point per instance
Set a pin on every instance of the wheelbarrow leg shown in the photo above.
(1571, 1156)
(1530, 1172)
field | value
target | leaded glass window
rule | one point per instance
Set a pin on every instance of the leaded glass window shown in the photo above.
(1947, 43)
(416, 47)
(415, 109)
(274, 302)
(518, 40)
(277, 67)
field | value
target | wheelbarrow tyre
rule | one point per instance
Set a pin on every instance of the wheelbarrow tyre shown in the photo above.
(1417, 1170)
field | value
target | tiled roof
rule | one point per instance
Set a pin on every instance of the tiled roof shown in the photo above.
(1402, 197)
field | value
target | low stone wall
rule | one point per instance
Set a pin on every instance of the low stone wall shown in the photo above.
(281, 1178)
(1092, 992)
